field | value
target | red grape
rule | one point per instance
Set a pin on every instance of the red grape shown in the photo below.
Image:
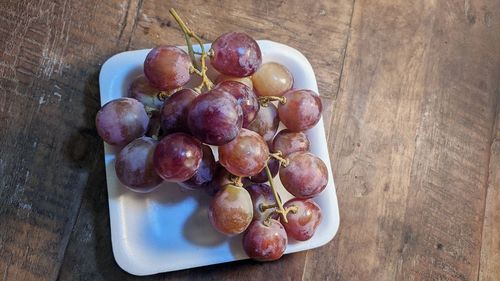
(265, 243)
(266, 122)
(205, 173)
(121, 121)
(246, 155)
(288, 142)
(167, 67)
(261, 194)
(274, 166)
(302, 223)
(175, 110)
(177, 157)
(215, 117)
(305, 176)
(245, 80)
(236, 54)
(143, 91)
(231, 210)
(302, 110)
(272, 79)
(245, 96)
(134, 165)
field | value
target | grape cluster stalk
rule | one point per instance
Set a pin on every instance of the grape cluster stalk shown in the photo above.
(167, 132)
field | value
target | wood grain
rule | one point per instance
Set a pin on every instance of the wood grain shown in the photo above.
(324, 23)
(490, 248)
(50, 55)
(410, 140)
(411, 94)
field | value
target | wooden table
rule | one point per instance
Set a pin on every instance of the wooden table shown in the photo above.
(411, 91)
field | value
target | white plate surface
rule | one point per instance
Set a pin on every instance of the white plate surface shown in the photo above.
(168, 229)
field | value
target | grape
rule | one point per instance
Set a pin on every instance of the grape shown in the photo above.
(231, 210)
(221, 178)
(175, 110)
(215, 117)
(266, 122)
(167, 67)
(205, 173)
(272, 79)
(265, 243)
(246, 155)
(261, 194)
(121, 121)
(154, 124)
(177, 157)
(302, 224)
(141, 90)
(134, 165)
(245, 80)
(305, 176)
(245, 96)
(302, 110)
(288, 142)
(236, 54)
(274, 166)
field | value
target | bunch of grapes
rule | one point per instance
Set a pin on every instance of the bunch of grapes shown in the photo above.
(167, 132)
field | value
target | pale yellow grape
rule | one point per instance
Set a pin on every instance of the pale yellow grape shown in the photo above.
(272, 79)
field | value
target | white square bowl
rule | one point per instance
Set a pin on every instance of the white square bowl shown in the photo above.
(168, 229)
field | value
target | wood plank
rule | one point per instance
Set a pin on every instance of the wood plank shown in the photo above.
(318, 29)
(490, 248)
(410, 138)
(50, 54)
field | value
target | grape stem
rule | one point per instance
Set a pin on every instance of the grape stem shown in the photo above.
(280, 210)
(278, 155)
(200, 70)
(264, 101)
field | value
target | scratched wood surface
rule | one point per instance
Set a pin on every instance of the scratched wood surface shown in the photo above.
(411, 94)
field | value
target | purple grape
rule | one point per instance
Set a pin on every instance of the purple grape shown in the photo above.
(143, 91)
(265, 243)
(121, 121)
(305, 176)
(301, 111)
(221, 178)
(167, 67)
(175, 110)
(302, 223)
(266, 122)
(245, 96)
(134, 165)
(215, 117)
(289, 142)
(236, 54)
(177, 157)
(205, 173)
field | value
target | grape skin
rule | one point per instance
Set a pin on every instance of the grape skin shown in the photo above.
(301, 111)
(205, 172)
(121, 121)
(215, 117)
(272, 79)
(305, 176)
(245, 80)
(167, 67)
(221, 178)
(236, 54)
(266, 122)
(175, 110)
(265, 243)
(143, 91)
(303, 223)
(246, 155)
(134, 165)
(177, 157)
(245, 96)
(231, 210)
(289, 142)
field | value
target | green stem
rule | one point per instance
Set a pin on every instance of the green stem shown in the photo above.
(280, 210)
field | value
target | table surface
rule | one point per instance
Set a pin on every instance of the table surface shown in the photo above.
(411, 95)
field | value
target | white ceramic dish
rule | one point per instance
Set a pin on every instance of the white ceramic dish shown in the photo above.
(168, 229)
